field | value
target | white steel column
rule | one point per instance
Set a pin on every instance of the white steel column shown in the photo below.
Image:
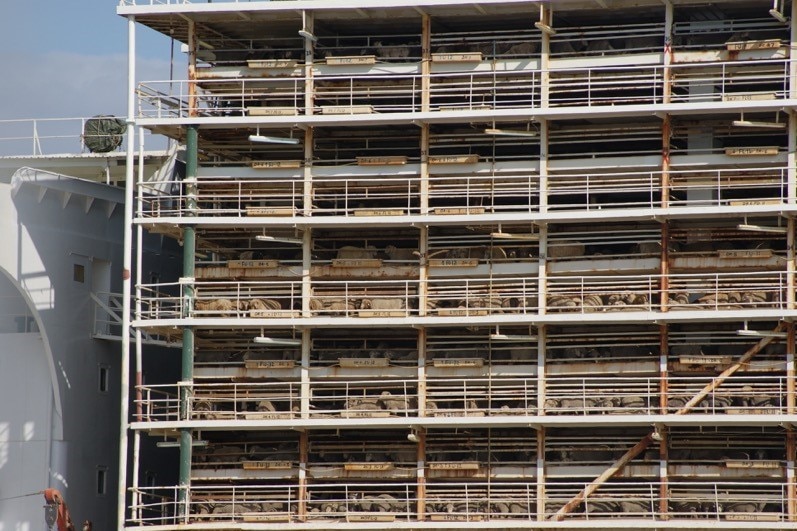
(791, 158)
(126, 276)
(139, 381)
(426, 68)
(791, 155)
(309, 58)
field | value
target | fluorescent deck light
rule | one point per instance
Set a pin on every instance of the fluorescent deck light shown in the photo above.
(545, 28)
(273, 139)
(758, 125)
(779, 16)
(176, 444)
(307, 35)
(508, 236)
(281, 341)
(511, 337)
(281, 239)
(509, 132)
(761, 333)
(761, 228)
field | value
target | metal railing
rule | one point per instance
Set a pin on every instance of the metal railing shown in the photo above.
(460, 501)
(464, 194)
(466, 297)
(642, 395)
(44, 136)
(391, 93)
(457, 396)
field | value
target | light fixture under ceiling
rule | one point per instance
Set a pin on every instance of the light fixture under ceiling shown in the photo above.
(758, 125)
(761, 333)
(176, 444)
(278, 341)
(777, 11)
(307, 35)
(508, 236)
(273, 139)
(761, 228)
(257, 137)
(512, 337)
(281, 239)
(545, 28)
(304, 33)
(510, 132)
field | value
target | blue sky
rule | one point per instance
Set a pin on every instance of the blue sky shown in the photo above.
(68, 58)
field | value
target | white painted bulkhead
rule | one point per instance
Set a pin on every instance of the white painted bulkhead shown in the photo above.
(60, 387)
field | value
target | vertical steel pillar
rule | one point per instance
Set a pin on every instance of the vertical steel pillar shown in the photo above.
(420, 432)
(421, 458)
(423, 269)
(546, 17)
(308, 23)
(139, 379)
(664, 348)
(791, 156)
(309, 58)
(192, 53)
(301, 510)
(791, 407)
(666, 132)
(668, 57)
(664, 457)
(423, 248)
(541, 494)
(541, 348)
(791, 434)
(187, 360)
(426, 81)
(127, 262)
(423, 229)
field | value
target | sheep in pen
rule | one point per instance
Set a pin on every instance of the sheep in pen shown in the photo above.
(224, 307)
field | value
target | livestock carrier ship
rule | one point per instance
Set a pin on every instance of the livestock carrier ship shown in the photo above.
(61, 220)
(490, 265)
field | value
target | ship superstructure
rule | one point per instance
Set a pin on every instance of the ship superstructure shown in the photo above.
(60, 320)
(495, 264)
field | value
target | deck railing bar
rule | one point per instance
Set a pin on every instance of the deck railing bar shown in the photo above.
(559, 82)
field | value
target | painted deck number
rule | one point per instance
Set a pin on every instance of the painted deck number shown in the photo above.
(751, 151)
(767, 44)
